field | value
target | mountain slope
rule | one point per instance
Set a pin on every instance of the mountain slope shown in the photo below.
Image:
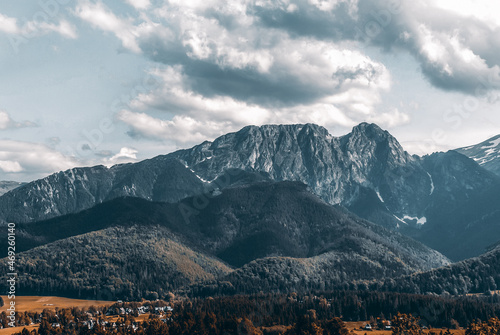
(118, 262)
(486, 154)
(333, 167)
(284, 219)
(368, 172)
(464, 210)
(362, 261)
(243, 225)
(6, 186)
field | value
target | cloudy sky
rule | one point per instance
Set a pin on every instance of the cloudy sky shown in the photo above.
(90, 82)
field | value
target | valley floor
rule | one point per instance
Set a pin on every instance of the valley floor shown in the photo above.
(39, 303)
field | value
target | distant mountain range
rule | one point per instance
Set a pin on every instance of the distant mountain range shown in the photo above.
(445, 200)
(158, 179)
(486, 154)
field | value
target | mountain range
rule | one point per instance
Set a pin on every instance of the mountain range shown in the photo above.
(274, 207)
(438, 199)
(486, 154)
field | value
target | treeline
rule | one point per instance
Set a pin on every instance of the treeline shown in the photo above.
(352, 306)
(267, 311)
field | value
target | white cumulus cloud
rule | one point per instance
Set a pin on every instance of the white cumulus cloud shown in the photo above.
(19, 159)
(125, 153)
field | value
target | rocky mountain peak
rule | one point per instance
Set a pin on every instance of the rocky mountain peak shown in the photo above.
(368, 143)
(369, 128)
(371, 133)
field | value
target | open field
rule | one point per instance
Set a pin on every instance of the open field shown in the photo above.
(38, 304)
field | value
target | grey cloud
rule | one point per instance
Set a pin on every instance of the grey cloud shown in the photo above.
(36, 160)
(392, 25)
(383, 24)
(277, 87)
(308, 20)
(210, 79)
(371, 21)
(263, 89)
(135, 134)
(344, 75)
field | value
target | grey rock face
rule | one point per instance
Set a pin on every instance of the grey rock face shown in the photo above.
(334, 167)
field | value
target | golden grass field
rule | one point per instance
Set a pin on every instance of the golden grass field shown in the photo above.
(38, 304)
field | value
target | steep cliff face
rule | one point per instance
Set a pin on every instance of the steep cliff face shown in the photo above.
(334, 167)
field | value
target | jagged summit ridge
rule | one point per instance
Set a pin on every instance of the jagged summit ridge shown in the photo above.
(332, 166)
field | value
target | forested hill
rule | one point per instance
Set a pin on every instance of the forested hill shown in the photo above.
(279, 226)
